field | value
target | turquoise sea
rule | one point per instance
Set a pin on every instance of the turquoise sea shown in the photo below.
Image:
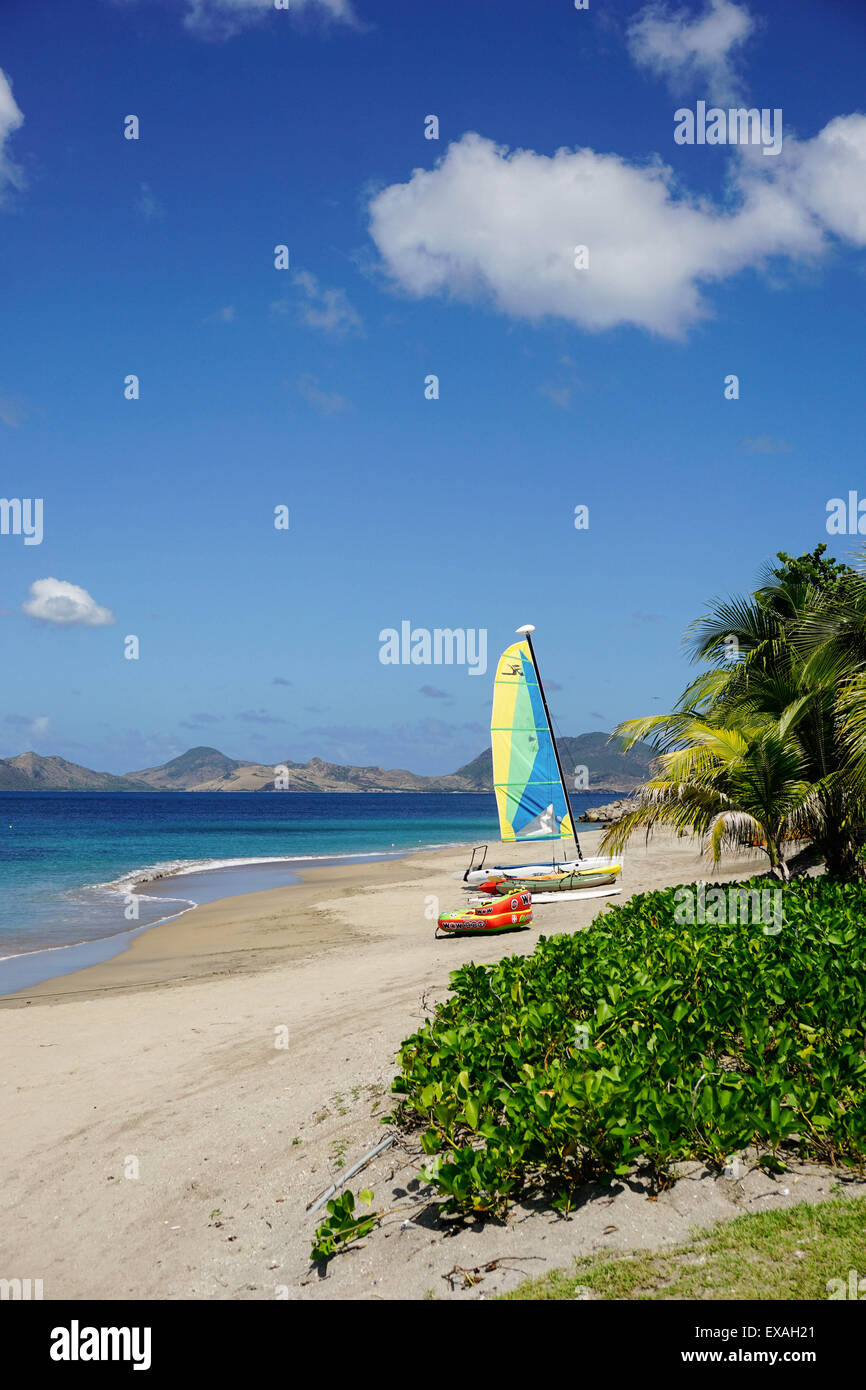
(69, 860)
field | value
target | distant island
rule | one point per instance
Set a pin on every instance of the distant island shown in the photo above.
(208, 770)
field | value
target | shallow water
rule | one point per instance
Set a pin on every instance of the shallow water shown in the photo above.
(82, 872)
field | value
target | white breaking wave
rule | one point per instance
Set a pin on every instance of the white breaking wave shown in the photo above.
(112, 936)
(171, 868)
(174, 868)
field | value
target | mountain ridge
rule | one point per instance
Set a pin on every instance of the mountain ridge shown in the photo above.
(207, 769)
(34, 772)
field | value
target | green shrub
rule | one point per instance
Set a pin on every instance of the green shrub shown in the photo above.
(341, 1226)
(644, 1042)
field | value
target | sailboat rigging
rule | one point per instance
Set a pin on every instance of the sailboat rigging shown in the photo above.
(529, 782)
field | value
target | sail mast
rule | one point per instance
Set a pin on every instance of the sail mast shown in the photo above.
(527, 632)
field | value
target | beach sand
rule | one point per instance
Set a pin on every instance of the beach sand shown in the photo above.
(158, 1144)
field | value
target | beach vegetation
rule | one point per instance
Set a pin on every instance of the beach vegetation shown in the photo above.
(803, 1253)
(338, 1152)
(766, 748)
(643, 1043)
(342, 1226)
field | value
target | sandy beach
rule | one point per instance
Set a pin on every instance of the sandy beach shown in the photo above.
(160, 1144)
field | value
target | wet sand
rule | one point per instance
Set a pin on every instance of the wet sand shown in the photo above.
(160, 1141)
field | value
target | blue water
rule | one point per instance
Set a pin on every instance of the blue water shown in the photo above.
(69, 860)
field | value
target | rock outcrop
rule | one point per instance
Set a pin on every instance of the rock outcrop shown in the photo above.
(613, 811)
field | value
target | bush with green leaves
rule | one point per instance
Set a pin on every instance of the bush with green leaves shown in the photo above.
(766, 748)
(643, 1042)
(341, 1226)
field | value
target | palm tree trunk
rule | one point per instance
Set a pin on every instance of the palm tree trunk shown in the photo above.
(776, 854)
(842, 859)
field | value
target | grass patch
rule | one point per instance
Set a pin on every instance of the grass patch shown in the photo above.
(338, 1152)
(792, 1254)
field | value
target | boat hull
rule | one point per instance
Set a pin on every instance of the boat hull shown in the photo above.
(565, 880)
(492, 915)
(582, 873)
(468, 924)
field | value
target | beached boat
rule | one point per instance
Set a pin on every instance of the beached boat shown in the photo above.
(531, 791)
(561, 880)
(488, 916)
(592, 870)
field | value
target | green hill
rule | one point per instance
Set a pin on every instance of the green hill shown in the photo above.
(196, 765)
(609, 768)
(207, 769)
(33, 772)
(12, 779)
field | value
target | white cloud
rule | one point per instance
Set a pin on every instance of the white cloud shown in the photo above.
(13, 411)
(37, 724)
(224, 315)
(325, 402)
(491, 225)
(260, 716)
(829, 175)
(200, 721)
(65, 605)
(686, 50)
(148, 205)
(221, 19)
(560, 395)
(765, 444)
(10, 121)
(328, 309)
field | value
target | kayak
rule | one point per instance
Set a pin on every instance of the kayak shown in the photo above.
(592, 870)
(489, 916)
(547, 881)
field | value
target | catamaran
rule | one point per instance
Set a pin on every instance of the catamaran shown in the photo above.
(531, 791)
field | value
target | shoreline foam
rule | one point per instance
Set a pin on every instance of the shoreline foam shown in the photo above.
(164, 872)
(171, 1052)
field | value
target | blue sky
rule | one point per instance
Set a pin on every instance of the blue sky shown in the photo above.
(305, 387)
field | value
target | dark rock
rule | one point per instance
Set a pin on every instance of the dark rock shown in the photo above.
(613, 811)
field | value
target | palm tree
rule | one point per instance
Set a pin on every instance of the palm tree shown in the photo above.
(736, 785)
(769, 744)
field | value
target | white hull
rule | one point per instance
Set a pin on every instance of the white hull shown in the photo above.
(570, 895)
(607, 869)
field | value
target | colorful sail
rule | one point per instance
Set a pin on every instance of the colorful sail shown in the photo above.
(530, 796)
